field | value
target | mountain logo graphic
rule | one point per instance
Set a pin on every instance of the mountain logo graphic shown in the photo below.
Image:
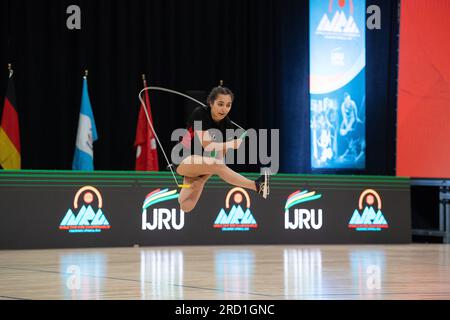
(371, 219)
(235, 217)
(85, 219)
(339, 27)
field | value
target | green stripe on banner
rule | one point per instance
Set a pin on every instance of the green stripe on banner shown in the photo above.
(131, 178)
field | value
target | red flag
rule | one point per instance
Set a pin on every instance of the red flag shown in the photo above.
(9, 130)
(145, 143)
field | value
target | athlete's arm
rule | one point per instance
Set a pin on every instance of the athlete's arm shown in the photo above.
(208, 144)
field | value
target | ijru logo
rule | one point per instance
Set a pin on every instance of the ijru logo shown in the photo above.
(86, 219)
(236, 218)
(161, 218)
(301, 218)
(368, 219)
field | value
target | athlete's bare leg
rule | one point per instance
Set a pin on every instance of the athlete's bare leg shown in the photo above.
(189, 196)
(194, 166)
(197, 170)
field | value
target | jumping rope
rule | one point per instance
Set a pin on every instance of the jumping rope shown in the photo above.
(169, 164)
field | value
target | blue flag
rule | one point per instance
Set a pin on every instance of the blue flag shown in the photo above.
(86, 135)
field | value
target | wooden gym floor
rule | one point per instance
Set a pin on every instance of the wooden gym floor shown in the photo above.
(415, 271)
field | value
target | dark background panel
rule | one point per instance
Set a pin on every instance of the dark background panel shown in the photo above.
(425, 205)
(32, 213)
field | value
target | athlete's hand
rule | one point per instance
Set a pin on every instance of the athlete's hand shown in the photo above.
(233, 144)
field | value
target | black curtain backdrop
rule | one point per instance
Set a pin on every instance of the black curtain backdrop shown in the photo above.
(258, 47)
(381, 89)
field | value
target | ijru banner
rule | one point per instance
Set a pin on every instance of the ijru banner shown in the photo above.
(337, 84)
(73, 209)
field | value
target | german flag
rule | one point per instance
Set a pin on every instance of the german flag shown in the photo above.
(9, 130)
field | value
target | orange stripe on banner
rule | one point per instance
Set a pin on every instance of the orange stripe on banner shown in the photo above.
(10, 123)
(9, 156)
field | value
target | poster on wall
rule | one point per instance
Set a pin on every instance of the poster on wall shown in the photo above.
(337, 84)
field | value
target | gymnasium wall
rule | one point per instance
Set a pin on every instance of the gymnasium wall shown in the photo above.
(423, 123)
